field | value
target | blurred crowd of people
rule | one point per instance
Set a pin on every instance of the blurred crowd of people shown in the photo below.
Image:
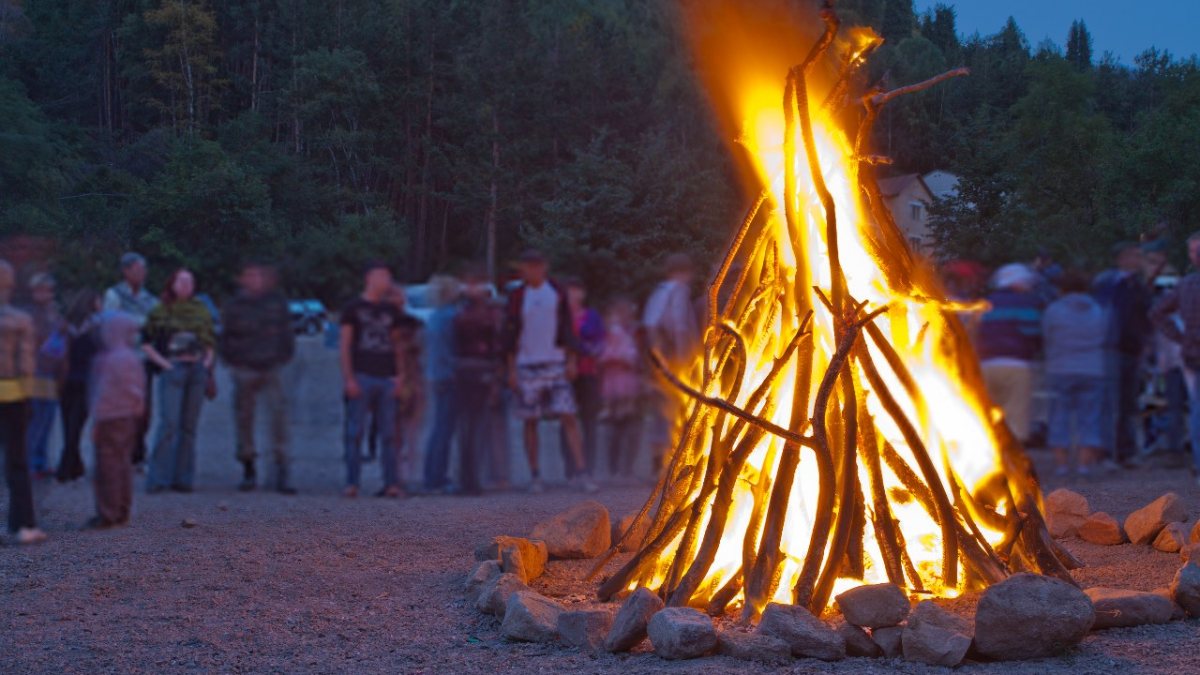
(1111, 357)
(538, 351)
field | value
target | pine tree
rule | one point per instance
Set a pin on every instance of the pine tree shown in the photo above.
(1079, 46)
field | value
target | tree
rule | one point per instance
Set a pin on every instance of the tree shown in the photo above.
(1079, 46)
(184, 63)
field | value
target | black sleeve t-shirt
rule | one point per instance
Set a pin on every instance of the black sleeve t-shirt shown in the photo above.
(374, 327)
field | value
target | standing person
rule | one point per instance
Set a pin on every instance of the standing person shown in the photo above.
(1010, 336)
(1184, 301)
(589, 334)
(672, 329)
(410, 405)
(1073, 332)
(83, 342)
(478, 375)
(130, 296)
(257, 341)
(540, 350)
(17, 358)
(440, 374)
(50, 373)
(1123, 293)
(620, 388)
(178, 338)
(372, 363)
(120, 398)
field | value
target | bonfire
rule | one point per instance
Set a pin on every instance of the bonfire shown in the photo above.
(836, 430)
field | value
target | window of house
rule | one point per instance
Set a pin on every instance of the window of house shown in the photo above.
(915, 210)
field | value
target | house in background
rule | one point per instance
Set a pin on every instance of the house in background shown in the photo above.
(942, 184)
(908, 198)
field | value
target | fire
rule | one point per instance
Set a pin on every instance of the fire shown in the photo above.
(836, 399)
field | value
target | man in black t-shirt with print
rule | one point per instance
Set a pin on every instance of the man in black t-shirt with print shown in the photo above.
(373, 369)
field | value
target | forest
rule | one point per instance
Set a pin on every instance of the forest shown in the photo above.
(430, 133)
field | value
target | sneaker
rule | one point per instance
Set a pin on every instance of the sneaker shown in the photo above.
(588, 485)
(285, 489)
(536, 487)
(249, 477)
(350, 492)
(390, 492)
(30, 535)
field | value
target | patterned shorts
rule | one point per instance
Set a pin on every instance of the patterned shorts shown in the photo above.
(544, 391)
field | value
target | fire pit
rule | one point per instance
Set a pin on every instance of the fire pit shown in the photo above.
(837, 430)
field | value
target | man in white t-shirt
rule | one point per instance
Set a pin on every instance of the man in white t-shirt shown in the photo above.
(540, 346)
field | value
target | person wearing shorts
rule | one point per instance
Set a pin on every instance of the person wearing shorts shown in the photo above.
(539, 345)
(1073, 331)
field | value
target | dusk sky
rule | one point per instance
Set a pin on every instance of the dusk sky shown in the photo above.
(1122, 27)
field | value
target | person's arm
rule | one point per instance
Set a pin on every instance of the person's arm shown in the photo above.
(345, 347)
(112, 301)
(399, 345)
(1161, 315)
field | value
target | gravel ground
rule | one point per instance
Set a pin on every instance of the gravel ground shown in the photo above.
(317, 583)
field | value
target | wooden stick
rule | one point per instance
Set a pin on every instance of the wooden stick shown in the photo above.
(883, 98)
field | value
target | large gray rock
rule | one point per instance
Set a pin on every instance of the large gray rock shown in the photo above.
(1143, 525)
(888, 640)
(634, 540)
(934, 636)
(1101, 528)
(629, 625)
(1028, 616)
(681, 633)
(858, 642)
(585, 629)
(582, 531)
(805, 634)
(494, 595)
(530, 617)
(1172, 538)
(1065, 512)
(483, 573)
(1185, 588)
(757, 647)
(874, 606)
(1120, 608)
(533, 553)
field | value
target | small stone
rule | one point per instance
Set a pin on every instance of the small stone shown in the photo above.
(874, 606)
(1065, 512)
(484, 572)
(533, 553)
(935, 636)
(1101, 528)
(1029, 616)
(682, 633)
(888, 640)
(585, 629)
(1120, 608)
(188, 523)
(629, 625)
(1172, 538)
(634, 540)
(530, 617)
(1194, 537)
(1177, 613)
(1185, 588)
(512, 562)
(805, 634)
(582, 531)
(858, 643)
(494, 595)
(1143, 525)
(757, 647)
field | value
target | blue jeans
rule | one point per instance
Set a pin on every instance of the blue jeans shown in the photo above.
(437, 451)
(1076, 411)
(180, 396)
(1193, 384)
(377, 397)
(41, 421)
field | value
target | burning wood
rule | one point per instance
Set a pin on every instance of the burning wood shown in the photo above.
(838, 432)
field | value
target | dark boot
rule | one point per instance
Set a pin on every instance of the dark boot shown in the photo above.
(249, 477)
(282, 486)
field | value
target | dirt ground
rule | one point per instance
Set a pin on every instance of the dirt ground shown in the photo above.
(317, 583)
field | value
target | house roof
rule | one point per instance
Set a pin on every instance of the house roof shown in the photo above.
(890, 187)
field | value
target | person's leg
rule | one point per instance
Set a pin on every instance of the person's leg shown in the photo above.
(495, 434)
(570, 467)
(73, 403)
(1089, 416)
(356, 413)
(437, 450)
(245, 390)
(109, 462)
(13, 427)
(38, 434)
(276, 400)
(1130, 386)
(1176, 395)
(1192, 380)
(587, 394)
(1058, 423)
(384, 414)
(189, 420)
(472, 418)
(530, 437)
(164, 456)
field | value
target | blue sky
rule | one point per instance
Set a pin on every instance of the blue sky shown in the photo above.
(1124, 27)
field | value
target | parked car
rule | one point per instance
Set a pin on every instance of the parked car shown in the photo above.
(309, 317)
